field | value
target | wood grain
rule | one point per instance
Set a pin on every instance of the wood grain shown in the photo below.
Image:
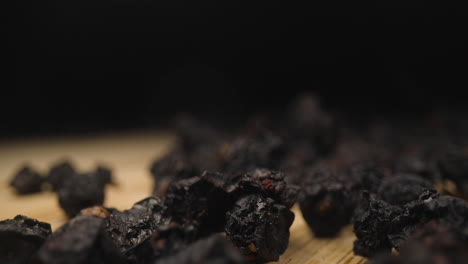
(130, 155)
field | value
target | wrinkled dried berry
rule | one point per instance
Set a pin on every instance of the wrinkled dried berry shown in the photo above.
(83, 240)
(20, 238)
(259, 227)
(402, 188)
(449, 211)
(327, 204)
(79, 191)
(372, 224)
(213, 250)
(200, 201)
(130, 228)
(266, 182)
(27, 181)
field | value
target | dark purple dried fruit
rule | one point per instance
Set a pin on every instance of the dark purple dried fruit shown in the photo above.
(27, 181)
(130, 228)
(327, 204)
(60, 173)
(402, 188)
(449, 211)
(259, 227)
(20, 238)
(213, 250)
(266, 182)
(83, 240)
(372, 223)
(200, 201)
(79, 191)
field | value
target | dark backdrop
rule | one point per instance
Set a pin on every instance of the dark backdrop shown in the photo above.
(91, 65)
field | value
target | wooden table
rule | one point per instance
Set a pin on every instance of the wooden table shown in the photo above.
(130, 155)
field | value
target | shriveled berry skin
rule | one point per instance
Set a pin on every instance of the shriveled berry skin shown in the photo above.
(27, 181)
(80, 191)
(326, 205)
(259, 227)
(20, 238)
(449, 211)
(130, 228)
(371, 226)
(212, 250)
(60, 173)
(200, 201)
(83, 240)
(266, 182)
(402, 188)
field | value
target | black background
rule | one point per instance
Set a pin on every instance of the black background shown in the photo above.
(91, 65)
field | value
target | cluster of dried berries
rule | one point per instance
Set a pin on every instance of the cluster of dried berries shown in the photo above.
(379, 176)
(75, 190)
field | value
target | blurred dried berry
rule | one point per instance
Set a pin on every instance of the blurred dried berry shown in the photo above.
(20, 238)
(60, 173)
(200, 201)
(327, 203)
(213, 250)
(402, 188)
(79, 191)
(27, 181)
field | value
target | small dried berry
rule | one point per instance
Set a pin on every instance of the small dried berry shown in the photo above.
(79, 191)
(402, 188)
(20, 238)
(60, 173)
(27, 181)
(200, 201)
(130, 228)
(266, 182)
(327, 204)
(259, 227)
(372, 224)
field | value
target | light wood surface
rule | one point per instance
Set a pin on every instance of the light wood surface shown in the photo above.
(130, 155)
